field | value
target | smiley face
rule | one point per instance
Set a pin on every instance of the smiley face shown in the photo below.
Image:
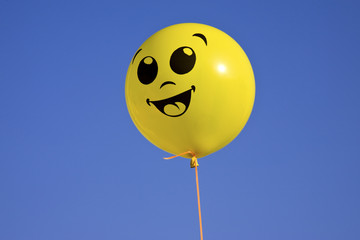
(181, 61)
(190, 87)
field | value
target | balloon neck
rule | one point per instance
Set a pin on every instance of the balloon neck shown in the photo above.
(193, 161)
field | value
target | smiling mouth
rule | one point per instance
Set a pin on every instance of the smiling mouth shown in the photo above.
(174, 106)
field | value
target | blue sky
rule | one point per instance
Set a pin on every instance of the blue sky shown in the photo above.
(74, 166)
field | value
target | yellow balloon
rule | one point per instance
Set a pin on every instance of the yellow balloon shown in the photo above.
(190, 87)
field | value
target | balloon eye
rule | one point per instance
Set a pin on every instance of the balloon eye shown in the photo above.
(147, 70)
(182, 60)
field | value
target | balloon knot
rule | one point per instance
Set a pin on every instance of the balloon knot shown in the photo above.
(193, 161)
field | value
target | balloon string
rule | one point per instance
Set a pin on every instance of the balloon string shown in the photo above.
(198, 197)
(193, 161)
(188, 152)
(193, 164)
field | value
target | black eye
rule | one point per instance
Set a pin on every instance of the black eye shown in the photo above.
(147, 70)
(182, 60)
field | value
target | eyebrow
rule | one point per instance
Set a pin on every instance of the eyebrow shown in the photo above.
(136, 54)
(201, 36)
